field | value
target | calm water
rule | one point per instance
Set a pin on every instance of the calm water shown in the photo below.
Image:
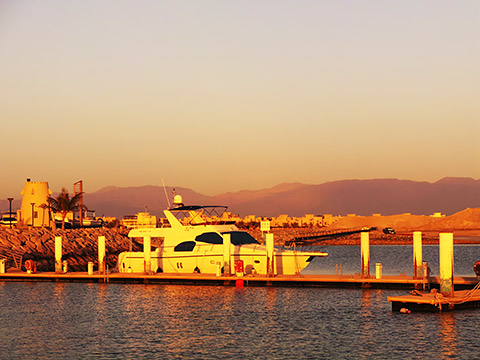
(89, 321)
(395, 259)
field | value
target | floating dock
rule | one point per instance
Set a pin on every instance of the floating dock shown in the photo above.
(446, 299)
(435, 301)
(332, 281)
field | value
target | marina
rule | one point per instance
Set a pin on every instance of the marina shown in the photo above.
(240, 180)
(197, 245)
(344, 267)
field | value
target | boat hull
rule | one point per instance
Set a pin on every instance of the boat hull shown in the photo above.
(209, 259)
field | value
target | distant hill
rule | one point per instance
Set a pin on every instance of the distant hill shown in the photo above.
(120, 201)
(468, 219)
(361, 197)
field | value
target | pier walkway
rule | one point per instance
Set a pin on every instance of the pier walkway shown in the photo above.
(314, 239)
(332, 281)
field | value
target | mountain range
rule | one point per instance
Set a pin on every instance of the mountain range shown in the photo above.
(361, 197)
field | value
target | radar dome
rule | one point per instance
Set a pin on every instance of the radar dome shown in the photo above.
(177, 200)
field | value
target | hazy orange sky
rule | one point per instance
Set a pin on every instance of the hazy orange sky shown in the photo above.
(229, 95)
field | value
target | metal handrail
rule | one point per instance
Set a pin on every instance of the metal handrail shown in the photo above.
(13, 255)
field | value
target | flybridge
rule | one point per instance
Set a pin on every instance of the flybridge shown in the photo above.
(201, 215)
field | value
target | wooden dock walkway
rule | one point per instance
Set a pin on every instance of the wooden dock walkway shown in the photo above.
(332, 281)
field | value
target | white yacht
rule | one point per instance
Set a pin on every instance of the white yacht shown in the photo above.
(193, 241)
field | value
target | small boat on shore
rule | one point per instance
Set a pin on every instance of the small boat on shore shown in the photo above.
(193, 241)
(8, 219)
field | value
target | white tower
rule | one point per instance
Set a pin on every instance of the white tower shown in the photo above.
(34, 208)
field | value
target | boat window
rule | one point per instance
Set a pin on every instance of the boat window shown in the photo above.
(185, 246)
(241, 238)
(210, 238)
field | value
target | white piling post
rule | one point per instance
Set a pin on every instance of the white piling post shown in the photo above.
(268, 239)
(58, 254)
(365, 253)
(446, 264)
(101, 254)
(90, 268)
(417, 255)
(147, 254)
(2, 266)
(226, 254)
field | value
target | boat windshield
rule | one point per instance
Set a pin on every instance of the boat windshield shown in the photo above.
(236, 238)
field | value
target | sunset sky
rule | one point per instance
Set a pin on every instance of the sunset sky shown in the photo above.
(226, 95)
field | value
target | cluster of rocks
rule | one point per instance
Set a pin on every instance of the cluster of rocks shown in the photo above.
(79, 246)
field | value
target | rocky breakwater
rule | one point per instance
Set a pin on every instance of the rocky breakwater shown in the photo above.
(79, 246)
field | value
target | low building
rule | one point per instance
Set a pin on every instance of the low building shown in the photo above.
(140, 220)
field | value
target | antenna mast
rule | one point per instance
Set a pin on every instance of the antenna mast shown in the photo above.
(165, 189)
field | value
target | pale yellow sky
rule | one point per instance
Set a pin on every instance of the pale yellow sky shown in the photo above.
(223, 95)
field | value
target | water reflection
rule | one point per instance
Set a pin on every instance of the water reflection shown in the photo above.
(448, 338)
(49, 320)
(59, 294)
(395, 259)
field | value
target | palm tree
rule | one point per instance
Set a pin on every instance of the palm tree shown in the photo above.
(64, 204)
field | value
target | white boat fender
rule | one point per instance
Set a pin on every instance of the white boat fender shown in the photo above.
(405, 311)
